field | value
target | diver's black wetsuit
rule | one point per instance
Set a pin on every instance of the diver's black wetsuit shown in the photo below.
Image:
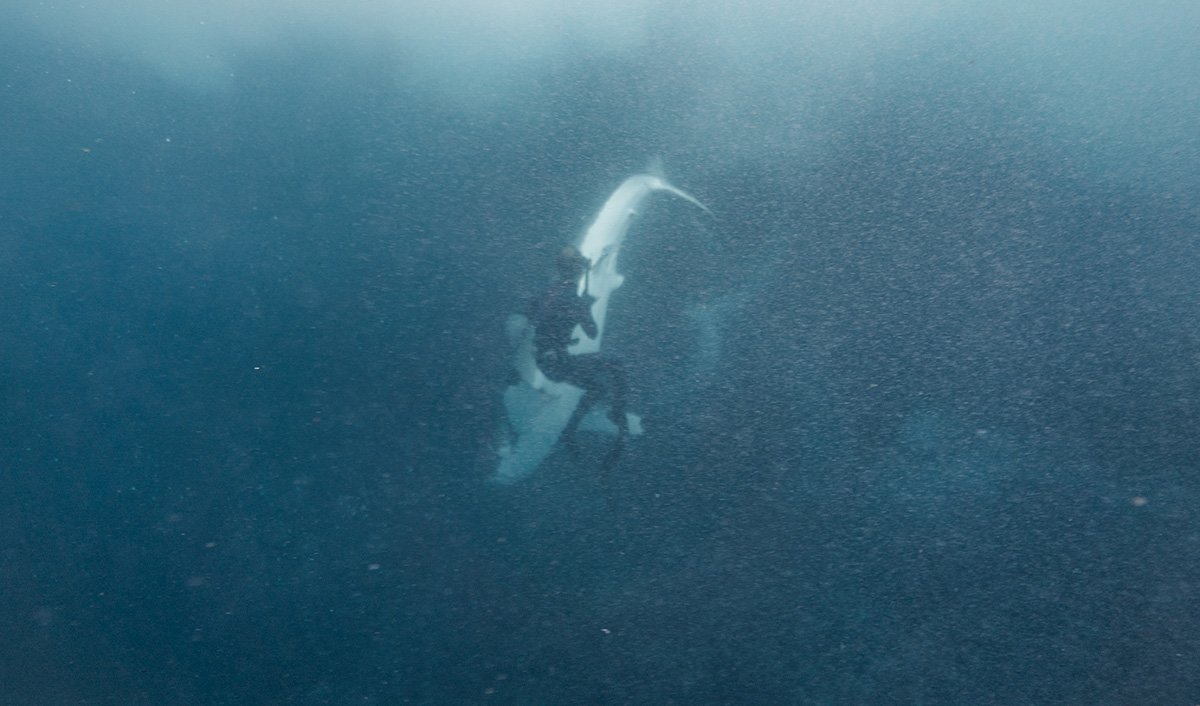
(554, 317)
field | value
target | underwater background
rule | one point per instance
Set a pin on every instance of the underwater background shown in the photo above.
(921, 398)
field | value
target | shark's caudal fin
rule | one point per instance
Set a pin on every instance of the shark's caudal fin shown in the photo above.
(684, 195)
(655, 169)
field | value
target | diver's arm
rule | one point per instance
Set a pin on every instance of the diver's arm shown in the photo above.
(586, 321)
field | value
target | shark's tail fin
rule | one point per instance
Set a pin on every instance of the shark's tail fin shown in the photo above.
(684, 195)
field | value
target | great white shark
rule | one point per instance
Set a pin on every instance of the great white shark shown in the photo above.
(537, 409)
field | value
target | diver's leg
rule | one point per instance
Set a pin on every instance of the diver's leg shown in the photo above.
(598, 376)
(580, 371)
(585, 405)
(618, 387)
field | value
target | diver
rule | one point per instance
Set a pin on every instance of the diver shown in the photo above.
(554, 316)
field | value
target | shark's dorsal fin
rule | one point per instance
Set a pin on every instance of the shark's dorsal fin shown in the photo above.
(655, 168)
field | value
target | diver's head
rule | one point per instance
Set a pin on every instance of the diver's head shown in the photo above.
(571, 262)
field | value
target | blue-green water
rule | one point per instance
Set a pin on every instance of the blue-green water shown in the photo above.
(921, 400)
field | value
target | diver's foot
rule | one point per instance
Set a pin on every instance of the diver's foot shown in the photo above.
(620, 419)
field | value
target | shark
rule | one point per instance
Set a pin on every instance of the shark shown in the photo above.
(537, 409)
